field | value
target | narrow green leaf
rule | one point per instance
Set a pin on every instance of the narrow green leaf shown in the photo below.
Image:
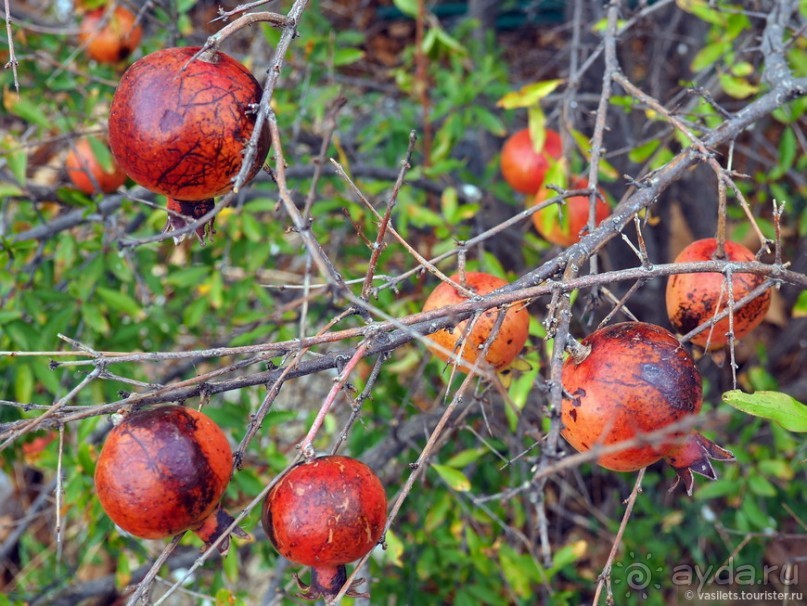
(347, 56)
(407, 7)
(537, 127)
(119, 301)
(528, 95)
(739, 88)
(23, 383)
(776, 406)
(9, 189)
(643, 152)
(465, 457)
(102, 154)
(455, 479)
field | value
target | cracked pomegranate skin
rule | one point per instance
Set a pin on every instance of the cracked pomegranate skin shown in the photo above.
(694, 299)
(636, 379)
(182, 132)
(326, 512)
(509, 340)
(163, 471)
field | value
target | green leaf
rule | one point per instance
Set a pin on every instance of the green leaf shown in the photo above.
(119, 301)
(25, 109)
(537, 126)
(18, 163)
(709, 54)
(102, 154)
(800, 308)
(643, 152)
(455, 479)
(465, 457)
(407, 7)
(759, 485)
(347, 56)
(702, 10)
(393, 554)
(776, 406)
(528, 95)
(739, 88)
(9, 189)
(23, 383)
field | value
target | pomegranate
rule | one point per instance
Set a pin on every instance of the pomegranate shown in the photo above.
(164, 470)
(509, 340)
(562, 225)
(110, 38)
(325, 513)
(694, 299)
(87, 174)
(180, 129)
(523, 167)
(632, 379)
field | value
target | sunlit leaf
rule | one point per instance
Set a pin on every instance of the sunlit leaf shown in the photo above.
(776, 406)
(528, 95)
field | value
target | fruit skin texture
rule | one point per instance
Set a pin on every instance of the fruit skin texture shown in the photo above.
(575, 208)
(182, 133)
(114, 41)
(163, 471)
(81, 163)
(522, 167)
(694, 299)
(509, 340)
(325, 513)
(636, 379)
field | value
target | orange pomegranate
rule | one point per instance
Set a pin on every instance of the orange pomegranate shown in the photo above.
(694, 299)
(110, 38)
(87, 174)
(562, 225)
(163, 471)
(523, 167)
(326, 513)
(509, 341)
(633, 379)
(180, 129)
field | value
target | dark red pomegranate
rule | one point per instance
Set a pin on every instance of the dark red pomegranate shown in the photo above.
(163, 471)
(180, 129)
(632, 379)
(325, 513)
(694, 299)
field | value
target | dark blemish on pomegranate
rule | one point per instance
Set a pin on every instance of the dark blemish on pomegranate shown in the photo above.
(573, 414)
(170, 120)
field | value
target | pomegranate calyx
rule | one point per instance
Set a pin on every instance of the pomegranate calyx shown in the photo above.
(326, 582)
(183, 212)
(214, 526)
(693, 455)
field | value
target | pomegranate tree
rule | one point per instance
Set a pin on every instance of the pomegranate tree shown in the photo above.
(325, 513)
(694, 299)
(629, 380)
(164, 470)
(179, 127)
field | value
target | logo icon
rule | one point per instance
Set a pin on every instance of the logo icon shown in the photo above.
(637, 576)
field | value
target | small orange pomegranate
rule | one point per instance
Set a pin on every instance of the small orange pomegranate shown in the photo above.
(523, 167)
(326, 513)
(163, 471)
(87, 173)
(634, 379)
(110, 38)
(180, 128)
(509, 340)
(562, 225)
(694, 299)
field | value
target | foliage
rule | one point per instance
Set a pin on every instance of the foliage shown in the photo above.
(80, 287)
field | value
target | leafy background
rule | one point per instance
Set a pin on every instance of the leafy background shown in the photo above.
(362, 75)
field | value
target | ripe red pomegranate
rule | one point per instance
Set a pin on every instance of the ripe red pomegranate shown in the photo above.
(164, 470)
(87, 174)
(180, 129)
(694, 299)
(635, 378)
(524, 168)
(509, 340)
(110, 38)
(563, 225)
(325, 513)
